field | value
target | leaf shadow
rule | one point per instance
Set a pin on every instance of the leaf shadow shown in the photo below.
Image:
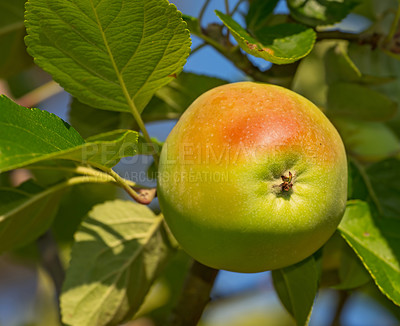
(111, 272)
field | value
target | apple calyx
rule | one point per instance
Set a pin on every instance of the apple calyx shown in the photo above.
(286, 185)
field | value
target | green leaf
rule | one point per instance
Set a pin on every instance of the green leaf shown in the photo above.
(180, 93)
(377, 243)
(352, 273)
(380, 65)
(169, 102)
(173, 99)
(309, 79)
(376, 80)
(317, 12)
(297, 286)
(358, 188)
(112, 55)
(76, 203)
(89, 121)
(280, 44)
(173, 278)
(374, 184)
(383, 177)
(286, 43)
(342, 269)
(106, 149)
(120, 248)
(359, 102)
(26, 212)
(339, 66)
(13, 55)
(367, 141)
(259, 12)
(28, 136)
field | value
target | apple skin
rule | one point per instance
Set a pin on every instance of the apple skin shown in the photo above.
(220, 175)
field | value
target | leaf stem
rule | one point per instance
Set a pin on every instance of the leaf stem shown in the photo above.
(194, 297)
(78, 170)
(140, 123)
(144, 196)
(129, 100)
(78, 180)
(393, 27)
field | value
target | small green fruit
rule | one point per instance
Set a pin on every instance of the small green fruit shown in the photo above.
(253, 177)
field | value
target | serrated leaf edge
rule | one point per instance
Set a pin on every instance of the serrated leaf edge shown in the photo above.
(346, 238)
(259, 44)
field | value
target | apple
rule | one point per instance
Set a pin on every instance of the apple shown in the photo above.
(253, 177)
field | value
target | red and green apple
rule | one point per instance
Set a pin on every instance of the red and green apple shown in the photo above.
(253, 177)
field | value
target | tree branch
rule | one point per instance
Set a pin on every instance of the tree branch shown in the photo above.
(213, 36)
(194, 297)
(373, 39)
(333, 35)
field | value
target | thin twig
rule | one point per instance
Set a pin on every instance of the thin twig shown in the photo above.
(227, 7)
(203, 10)
(202, 45)
(214, 43)
(338, 35)
(228, 13)
(194, 297)
(236, 7)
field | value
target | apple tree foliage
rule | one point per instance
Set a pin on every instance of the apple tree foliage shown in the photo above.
(122, 62)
